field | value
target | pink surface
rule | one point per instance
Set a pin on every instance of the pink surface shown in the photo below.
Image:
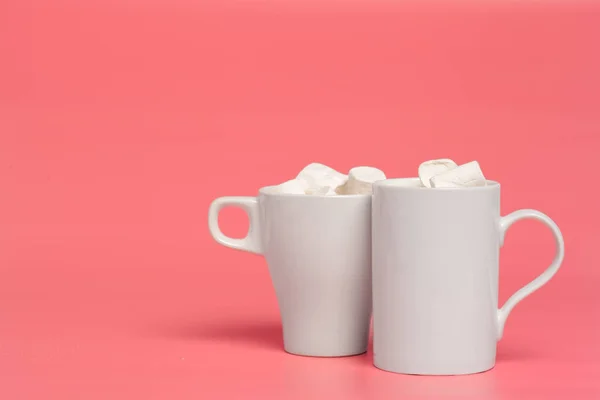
(121, 121)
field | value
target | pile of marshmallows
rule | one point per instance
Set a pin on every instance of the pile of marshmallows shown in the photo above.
(444, 173)
(319, 179)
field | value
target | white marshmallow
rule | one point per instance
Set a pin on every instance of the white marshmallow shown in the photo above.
(466, 175)
(294, 186)
(331, 192)
(321, 179)
(429, 169)
(360, 180)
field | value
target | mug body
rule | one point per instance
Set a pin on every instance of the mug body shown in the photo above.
(318, 250)
(435, 277)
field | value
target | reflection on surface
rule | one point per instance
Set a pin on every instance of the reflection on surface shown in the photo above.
(323, 376)
(479, 386)
(356, 377)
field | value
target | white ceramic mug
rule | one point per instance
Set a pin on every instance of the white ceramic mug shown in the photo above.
(435, 276)
(318, 249)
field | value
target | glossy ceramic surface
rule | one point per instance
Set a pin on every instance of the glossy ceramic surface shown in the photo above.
(435, 276)
(318, 249)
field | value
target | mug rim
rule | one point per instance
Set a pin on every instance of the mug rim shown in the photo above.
(396, 184)
(266, 191)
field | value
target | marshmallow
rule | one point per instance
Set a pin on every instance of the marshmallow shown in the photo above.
(294, 186)
(429, 169)
(321, 179)
(331, 192)
(360, 180)
(466, 175)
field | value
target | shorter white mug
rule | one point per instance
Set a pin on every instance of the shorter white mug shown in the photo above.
(318, 250)
(435, 276)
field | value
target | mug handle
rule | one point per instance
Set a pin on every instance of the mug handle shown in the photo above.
(251, 242)
(544, 277)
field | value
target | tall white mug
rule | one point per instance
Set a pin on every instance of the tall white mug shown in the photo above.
(318, 250)
(435, 276)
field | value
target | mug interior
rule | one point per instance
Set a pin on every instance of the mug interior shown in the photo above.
(272, 191)
(415, 183)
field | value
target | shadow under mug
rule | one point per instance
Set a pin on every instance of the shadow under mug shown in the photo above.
(435, 276)
(318, 250)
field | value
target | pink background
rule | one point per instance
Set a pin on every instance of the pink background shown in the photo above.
(121, 120)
